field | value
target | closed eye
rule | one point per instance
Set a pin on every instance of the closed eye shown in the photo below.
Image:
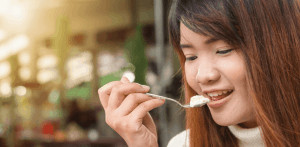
(224, 51)
(191, 58)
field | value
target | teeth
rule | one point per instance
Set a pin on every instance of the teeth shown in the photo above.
(212, 94)
(220, 92)
(217, 93)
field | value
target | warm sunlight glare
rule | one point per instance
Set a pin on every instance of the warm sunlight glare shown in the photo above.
(13, 46)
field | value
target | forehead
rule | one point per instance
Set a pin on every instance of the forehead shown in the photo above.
(187, 36)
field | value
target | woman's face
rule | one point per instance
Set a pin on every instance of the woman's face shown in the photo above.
(215, 69)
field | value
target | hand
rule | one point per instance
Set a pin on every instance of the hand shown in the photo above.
(127, 109)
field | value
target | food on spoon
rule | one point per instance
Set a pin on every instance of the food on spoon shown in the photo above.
(198, 100)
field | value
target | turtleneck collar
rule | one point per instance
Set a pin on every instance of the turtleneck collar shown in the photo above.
(247, 137)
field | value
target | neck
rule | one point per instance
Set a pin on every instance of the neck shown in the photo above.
(249, 124)
(247, 136)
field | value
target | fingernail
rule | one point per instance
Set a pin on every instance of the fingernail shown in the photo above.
(146, 87)
(162, 100)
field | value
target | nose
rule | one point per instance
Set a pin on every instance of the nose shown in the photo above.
(207, 74)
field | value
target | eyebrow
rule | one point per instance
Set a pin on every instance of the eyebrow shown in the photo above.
(185, 46)
(208, 41)
(211, 40)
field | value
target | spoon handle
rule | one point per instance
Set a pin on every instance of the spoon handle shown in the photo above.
(166, 98)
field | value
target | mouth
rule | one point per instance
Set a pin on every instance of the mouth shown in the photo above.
(218, 95)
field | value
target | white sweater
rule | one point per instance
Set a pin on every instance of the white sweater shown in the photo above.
(246, 137)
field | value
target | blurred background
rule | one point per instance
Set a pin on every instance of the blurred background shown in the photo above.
(55, 54)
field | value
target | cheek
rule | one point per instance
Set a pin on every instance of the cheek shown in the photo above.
(235, 70)
(191, 73)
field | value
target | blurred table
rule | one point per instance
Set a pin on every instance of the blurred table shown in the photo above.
(103, 142)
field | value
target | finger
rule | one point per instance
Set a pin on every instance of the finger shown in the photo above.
(149, 123)
(105, 91)
(131, 102)
(119, 93)
(124, 79)
(141, 111)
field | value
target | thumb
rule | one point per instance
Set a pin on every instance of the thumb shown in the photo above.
(124, 79)
(128, 77)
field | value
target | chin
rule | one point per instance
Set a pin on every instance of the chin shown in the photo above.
(224, 121)
(229, 122)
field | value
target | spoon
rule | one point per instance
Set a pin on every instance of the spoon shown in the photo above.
(196, 101)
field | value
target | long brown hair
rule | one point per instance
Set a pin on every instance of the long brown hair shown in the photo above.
(267, 34)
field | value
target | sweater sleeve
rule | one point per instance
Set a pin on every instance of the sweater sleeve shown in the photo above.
(180, 140)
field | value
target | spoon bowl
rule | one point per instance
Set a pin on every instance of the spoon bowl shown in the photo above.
(196, 101)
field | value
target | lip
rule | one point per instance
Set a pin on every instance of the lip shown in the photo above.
(219, 103)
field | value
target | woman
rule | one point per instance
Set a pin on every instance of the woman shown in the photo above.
(244, 56)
